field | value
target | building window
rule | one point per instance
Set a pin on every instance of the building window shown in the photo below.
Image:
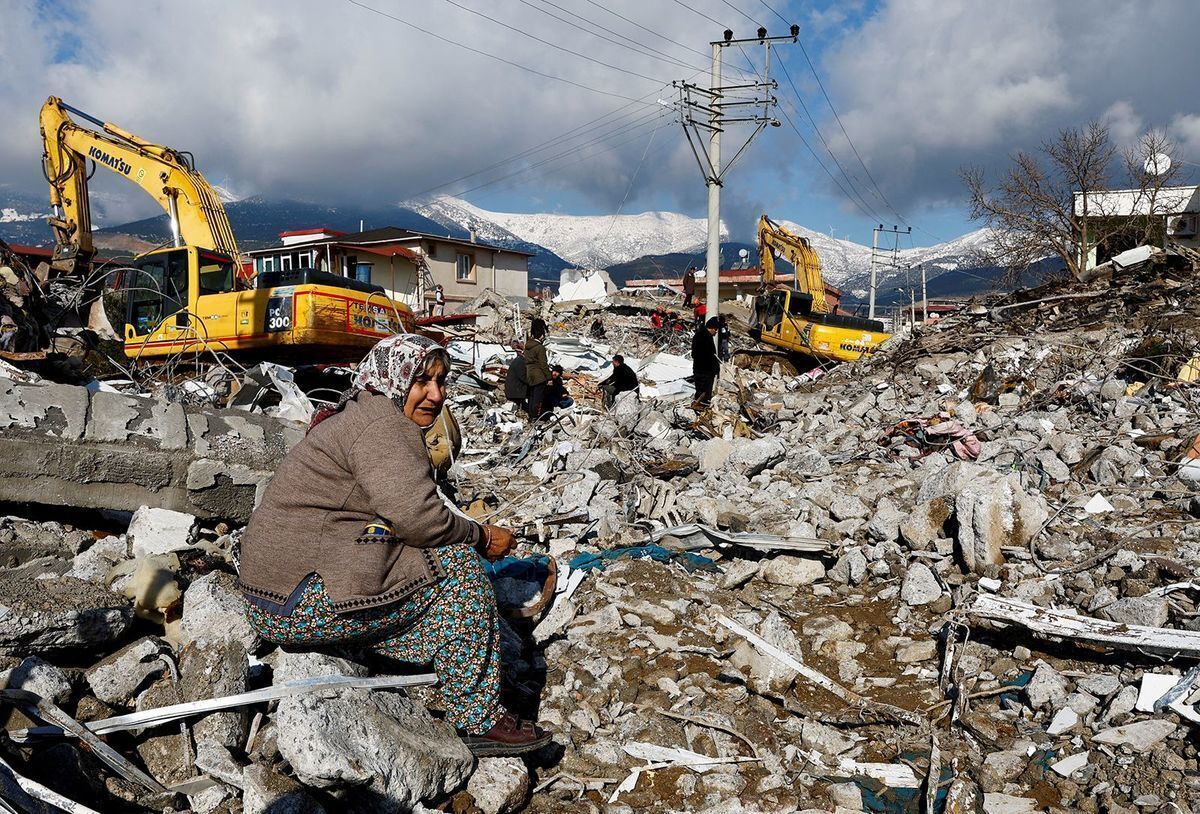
(362, 272)
(464, 270)
(285, 263)
(268, 263)
(304, 261)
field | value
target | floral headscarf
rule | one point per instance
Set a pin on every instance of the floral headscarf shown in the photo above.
(389, 369)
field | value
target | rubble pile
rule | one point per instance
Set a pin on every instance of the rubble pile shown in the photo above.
(957, 576)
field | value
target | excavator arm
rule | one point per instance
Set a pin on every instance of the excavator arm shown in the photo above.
(197, 216)
(772, 239)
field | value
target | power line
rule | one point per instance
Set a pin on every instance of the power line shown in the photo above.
(771, 9)
(756, 23)
(651, 31)
(701, 13)
(544, 168)
(861, 207)
(574, 151)
(645, 50)
(849, 141)
(473, 50)
(554, 45)
(817, 130)
(559, 139)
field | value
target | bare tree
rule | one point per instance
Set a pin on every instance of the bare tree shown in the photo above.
(1046, 204)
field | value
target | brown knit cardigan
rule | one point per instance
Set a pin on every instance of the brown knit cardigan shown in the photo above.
(364, 464)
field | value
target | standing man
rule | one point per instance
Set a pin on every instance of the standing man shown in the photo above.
(689, 286)
(705, 364)
(439, 301)
(516, 389)
(537, 368)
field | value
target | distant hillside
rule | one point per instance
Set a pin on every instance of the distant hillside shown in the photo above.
(674, 264)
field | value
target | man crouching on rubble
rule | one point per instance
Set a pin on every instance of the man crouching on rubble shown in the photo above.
(352, 545)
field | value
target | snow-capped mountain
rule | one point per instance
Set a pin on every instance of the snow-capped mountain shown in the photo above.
(591, 241)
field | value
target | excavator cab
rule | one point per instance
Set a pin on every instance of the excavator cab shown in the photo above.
(163, 290)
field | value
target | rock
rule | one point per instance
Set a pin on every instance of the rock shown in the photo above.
(1046, 687)
(846, 796)
(164, 751)
(916, 651)
(992, 510)
(792, 571)
(1001, 767)
(738, 573)
(850, 569)
(1124, 703)
(884, 524)
(809, 462)
(1064, 721)
(750, 457)
(1069, 765)
(38, 677)
(1140, 610)
(94, 563)
(845, 507)
(1101, 685)
(824, 739)
(117, 678)
(217, 762)
(925, 523)
(383, 742)
(214, 610)
(54, 615)
(714, 453)
(920, 586)
(499, 784)
(212, 669)
(267, 792)
(160, 531)
(996, 803)
(1141, 737)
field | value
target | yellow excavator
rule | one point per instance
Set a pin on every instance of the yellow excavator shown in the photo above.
(188, 298)
(801, 319)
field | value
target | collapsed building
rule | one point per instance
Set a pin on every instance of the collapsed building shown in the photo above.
(957, 575)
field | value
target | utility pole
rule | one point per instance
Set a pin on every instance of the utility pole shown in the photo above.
(912, 308)
(924, 296)
(875, 232)
(712, 278)
(710, 109)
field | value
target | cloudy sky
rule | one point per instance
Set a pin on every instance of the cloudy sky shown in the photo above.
(554, 105)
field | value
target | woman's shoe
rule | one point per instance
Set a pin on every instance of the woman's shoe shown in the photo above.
(510, 736)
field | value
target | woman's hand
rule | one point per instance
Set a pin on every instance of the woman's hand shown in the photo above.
(497, 542)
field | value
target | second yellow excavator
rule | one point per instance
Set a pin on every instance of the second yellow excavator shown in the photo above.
(186, 298)
(802, 320)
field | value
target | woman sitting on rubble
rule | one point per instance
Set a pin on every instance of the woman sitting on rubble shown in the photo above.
(353, 545)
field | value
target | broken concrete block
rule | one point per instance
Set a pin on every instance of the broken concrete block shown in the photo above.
(38, 677)
(1140, 737)
(850, 569)
(117, 678)
(738, 573)
(499, 784)
(212, 669)
(924, 524)
(1047, 687)
(913, 652)
(792, 571)
(750, 457)
(809, 462)
(164, 751)
(380, 741)
(266, 791)
(94, 563)
(50, 615)
(920, 586)
(214, 610)
(1139, 610)
(714, 453)
(155, 531)
(884, 524)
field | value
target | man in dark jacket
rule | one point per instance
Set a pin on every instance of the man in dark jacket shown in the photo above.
(689, 286)
(705, 363)
(516, 389)
(537, 368)
(620, 380)
(556, 397)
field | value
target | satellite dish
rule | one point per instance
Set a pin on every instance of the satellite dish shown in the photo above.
(1157, 164)
(742, 253)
